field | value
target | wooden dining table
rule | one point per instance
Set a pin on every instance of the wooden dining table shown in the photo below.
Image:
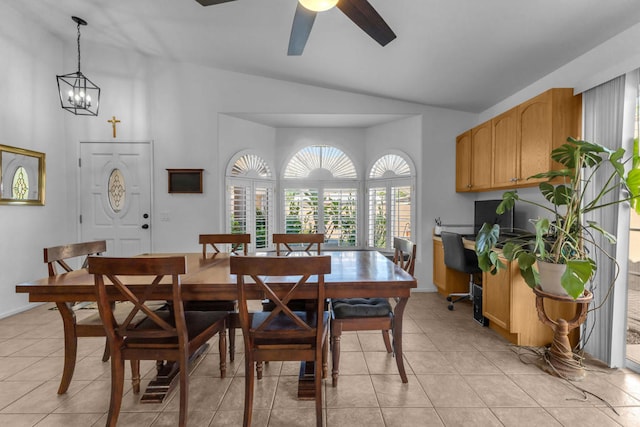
(353, 274)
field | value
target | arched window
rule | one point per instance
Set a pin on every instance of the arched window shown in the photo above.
(320, 195)
(391, 192)
(320, 161)
(250, 194)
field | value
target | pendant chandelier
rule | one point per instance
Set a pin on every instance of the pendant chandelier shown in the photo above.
(78, 94)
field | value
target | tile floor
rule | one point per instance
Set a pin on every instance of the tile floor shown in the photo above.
(459, 374)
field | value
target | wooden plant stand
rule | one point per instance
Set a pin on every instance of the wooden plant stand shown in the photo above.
(560, 356)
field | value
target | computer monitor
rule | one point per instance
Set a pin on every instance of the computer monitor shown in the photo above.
(485, 211)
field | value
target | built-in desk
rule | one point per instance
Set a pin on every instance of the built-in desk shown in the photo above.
(507, 301)
(448, 281)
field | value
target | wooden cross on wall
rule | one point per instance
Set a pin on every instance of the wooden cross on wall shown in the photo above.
(113, 122)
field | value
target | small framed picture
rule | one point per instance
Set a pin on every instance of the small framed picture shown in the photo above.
(185, 180)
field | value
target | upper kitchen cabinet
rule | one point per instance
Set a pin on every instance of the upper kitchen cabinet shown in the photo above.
(544, 123)
(522, 139)
(473, 159)
(463, 162)
(506, 151)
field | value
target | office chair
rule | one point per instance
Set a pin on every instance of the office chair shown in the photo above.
(457, 257)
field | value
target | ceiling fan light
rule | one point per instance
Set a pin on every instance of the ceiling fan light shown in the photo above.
(318, 5)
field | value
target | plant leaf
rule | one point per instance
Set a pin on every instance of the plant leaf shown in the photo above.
(542, 228)
(575, 277)
(553, 174)
(633, 184)
(508, 201)
(610, 237)
(487, 238)
(530, 275)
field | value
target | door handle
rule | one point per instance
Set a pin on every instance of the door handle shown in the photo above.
(145, 226)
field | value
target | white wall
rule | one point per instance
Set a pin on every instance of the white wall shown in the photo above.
(609, 60)
(405, 136)
(31, 118)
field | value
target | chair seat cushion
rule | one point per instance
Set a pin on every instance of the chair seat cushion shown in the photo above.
(360, 307)
(284, 323)
(210, 305)
(197, 322)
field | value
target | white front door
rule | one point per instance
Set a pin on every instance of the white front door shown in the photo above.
(115, 195)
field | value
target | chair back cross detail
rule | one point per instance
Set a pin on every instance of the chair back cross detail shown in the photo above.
(238, 242)
(57, 255)
(156, 268)
(308, 239)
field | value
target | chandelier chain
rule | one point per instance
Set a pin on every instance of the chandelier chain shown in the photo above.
(78, 48)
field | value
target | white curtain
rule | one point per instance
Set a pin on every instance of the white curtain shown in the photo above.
(606, 120)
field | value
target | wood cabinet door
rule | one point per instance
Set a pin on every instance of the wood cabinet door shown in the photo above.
(481, 157)
(536, 137)
(463, 162)
(496, 297)
(505, 149)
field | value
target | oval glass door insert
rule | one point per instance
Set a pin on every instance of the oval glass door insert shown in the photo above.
(117, 190)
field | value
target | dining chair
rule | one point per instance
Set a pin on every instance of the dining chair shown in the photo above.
(173, 334)
(286, 244)
(369, 314)
(289, 241)
(237, 244)
(283, 334)
(90, 326)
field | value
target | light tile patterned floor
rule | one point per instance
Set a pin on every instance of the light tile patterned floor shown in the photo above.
(459, 374)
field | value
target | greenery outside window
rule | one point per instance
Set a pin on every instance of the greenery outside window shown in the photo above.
(250, 194)
(321, 195)
(390, 208)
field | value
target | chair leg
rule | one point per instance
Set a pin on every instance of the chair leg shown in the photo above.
(232, 343)
(397, 338)
(248, 389)
(105, 354)
(184, 387)
(135, 375)
(258, 370)
(70, 345)
(461, 296)
(318, 388)
(325, 356)
(387, 341)
(336, 331)
(117, 388)
(222, 348)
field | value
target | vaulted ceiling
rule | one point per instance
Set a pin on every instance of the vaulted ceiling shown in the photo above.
(461, 54)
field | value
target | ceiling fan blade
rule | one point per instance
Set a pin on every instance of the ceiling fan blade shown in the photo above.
(366, 17)
(302, 24)
(212, 2)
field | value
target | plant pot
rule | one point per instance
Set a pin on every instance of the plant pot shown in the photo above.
(550, 274)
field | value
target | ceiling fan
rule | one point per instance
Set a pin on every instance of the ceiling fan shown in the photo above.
(359, 11)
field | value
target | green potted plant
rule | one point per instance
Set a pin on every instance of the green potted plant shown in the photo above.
(564, 239)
